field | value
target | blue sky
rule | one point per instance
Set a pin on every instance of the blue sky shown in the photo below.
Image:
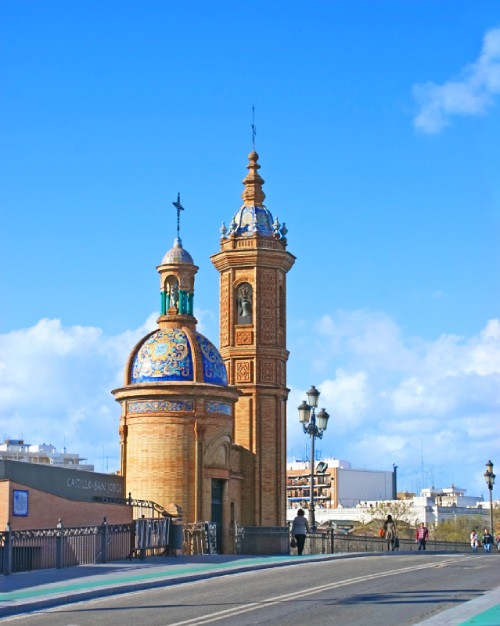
(378, 129)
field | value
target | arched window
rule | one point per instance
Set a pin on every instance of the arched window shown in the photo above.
(244, 300)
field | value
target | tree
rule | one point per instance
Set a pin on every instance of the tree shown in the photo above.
(402, 513)
(458, 528)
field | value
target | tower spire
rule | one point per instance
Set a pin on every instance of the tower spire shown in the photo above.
(252, 194)
(254, 129)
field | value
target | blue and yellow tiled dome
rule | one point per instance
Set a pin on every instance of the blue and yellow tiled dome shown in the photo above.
(169, 355)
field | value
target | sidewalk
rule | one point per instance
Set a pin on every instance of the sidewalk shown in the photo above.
(39, 589)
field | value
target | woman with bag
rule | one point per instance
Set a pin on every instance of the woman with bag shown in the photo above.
(300, 527)
(390, 533)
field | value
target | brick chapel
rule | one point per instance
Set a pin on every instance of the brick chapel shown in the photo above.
(203, 430)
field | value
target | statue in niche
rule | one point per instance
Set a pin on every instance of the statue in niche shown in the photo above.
(244, 304)
(174, 295)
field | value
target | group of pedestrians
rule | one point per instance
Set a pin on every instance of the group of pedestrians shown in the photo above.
(300, 528)
(391, 536)
(486, 541)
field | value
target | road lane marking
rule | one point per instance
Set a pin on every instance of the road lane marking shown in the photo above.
(253, 606)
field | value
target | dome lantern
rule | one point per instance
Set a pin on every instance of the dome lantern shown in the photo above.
(177, 272)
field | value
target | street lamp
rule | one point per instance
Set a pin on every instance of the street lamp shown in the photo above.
(489, 477)
(314, 426)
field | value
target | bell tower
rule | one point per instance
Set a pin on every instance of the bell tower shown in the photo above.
(253, 263)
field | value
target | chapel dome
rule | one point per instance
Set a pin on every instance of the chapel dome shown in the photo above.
(174, 355)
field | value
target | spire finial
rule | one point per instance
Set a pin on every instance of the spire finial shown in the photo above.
(252, 194)
(254, 129)
(179, 208)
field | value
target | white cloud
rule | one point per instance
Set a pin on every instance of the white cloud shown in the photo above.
(396, 399)
(471, 94)
(55, 385)
(350, 395)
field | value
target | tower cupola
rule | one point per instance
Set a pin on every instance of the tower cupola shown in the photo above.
(253, 218)
(177, 272)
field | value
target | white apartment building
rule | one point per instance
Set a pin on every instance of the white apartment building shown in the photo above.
(337, 484)
(47, 454)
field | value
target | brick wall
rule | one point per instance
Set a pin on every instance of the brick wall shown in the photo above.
(46, 509)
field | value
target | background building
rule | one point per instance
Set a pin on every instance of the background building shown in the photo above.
(47, 454)
(336, 484)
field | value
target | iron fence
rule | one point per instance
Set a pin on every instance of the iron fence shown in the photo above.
(331, 543)
(151, 536)
(264, 540)
(24, 550)
(200, 538)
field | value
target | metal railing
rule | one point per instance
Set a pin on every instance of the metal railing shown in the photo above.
(276, 540)
(151, 537)
(24, 550)
(262, 540)
(200, 538)
(331, 543)
(140, 508)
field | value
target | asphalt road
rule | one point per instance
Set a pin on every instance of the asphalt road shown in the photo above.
(387, 590)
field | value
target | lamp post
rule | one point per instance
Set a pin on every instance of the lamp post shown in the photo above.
(489, 477)
(314, 426)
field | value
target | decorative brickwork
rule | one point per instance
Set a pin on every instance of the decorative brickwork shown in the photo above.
(283, 374)
(267, 307)
(268, 372)
(244, 337)
(243, 371)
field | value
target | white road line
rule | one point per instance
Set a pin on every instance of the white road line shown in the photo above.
(253, 606)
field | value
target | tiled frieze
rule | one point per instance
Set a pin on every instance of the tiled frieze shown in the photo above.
(156, 406)
(218, 407)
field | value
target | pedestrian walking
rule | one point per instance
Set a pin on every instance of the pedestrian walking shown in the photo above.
(474, 541)
(300, 527)
(390, 533)
(487, 541)
(422, 534)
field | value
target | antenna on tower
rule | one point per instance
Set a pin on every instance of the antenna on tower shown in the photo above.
(254, 130)
(179, 208)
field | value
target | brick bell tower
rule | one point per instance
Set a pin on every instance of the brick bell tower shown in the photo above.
(253, 263)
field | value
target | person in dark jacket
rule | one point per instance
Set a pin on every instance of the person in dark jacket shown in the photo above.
(487, 540)
(300, 527)
(390, 532)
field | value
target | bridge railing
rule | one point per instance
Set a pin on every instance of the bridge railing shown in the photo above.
(24, 550)
(276, 540)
